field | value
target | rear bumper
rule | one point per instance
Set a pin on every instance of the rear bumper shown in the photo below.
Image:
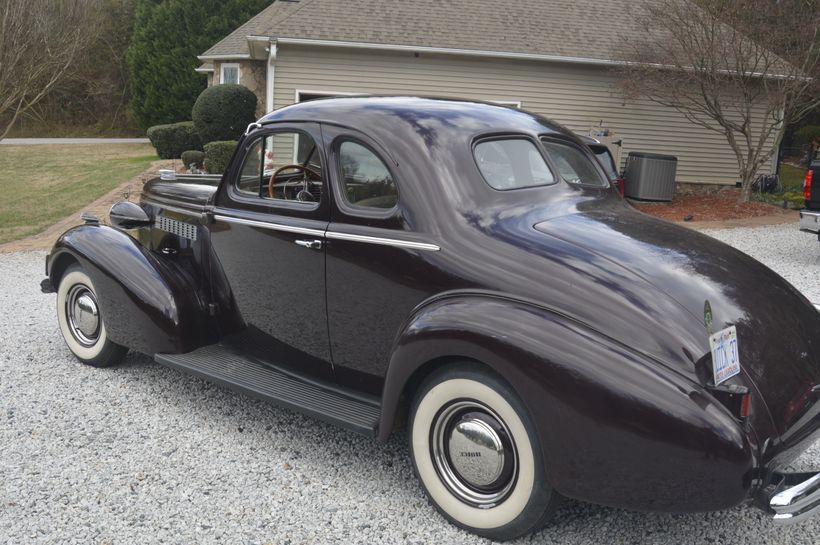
(792, 497)
(810, 221)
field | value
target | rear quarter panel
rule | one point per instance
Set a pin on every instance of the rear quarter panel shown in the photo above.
(615, 428)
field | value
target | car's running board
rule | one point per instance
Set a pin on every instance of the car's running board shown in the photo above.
(244, 374)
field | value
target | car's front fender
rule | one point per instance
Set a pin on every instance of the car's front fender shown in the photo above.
(148, 304)
(615, 427)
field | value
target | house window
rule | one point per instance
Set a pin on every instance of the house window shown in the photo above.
(229, 73)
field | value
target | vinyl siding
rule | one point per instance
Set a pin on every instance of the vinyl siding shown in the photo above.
(576, 96)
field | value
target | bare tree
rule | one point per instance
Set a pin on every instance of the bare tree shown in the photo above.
(40, 40)
(743, 68)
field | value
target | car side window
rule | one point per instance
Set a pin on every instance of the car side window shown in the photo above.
(285, 165)
(366, 180)
(572, 164)
(512, 163)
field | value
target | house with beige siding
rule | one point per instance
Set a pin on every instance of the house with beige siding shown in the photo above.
(551, 57)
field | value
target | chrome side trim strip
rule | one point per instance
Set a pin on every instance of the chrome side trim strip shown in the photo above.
(333, 235)
(426, 246)
(271, 226)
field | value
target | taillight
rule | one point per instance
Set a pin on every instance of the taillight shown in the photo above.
(734, 397)
(619, 184)
(807, 184)
(744, 404)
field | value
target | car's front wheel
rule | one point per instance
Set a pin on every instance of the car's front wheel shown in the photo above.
(81, 321)
(475, 451)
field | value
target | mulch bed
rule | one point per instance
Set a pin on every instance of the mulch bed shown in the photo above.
(718, 206)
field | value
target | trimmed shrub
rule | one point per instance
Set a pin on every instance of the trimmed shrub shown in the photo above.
(192, 157)
(218, 156)
(223, 112)
(171, 140)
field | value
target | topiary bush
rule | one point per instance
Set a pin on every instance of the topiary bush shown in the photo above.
(171, 140)
(218, 156)
(193, 158)
(222, 112)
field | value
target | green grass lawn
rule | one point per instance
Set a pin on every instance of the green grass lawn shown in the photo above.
(42, 184)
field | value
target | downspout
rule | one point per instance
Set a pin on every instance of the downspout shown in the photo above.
(270, 74)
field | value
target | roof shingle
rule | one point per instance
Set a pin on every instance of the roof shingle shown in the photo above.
(583, 28)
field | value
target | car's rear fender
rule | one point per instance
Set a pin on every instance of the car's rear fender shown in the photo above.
(615, 427)
(148, 303)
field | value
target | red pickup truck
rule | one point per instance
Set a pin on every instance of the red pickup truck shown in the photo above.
(810, 215)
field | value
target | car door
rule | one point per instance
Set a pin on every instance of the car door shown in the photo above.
(375, 269)
(268, 238)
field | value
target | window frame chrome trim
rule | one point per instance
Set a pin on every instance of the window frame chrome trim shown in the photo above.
(498, 136)
(413, 245)
(342, 202)
(331, 235)
(271, 226)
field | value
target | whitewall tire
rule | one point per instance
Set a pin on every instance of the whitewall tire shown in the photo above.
(81, 321)
(475, 452)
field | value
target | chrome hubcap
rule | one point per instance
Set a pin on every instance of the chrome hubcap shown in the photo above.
(83, 315)
(474, 453)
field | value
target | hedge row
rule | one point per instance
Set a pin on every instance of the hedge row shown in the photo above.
(171, 140)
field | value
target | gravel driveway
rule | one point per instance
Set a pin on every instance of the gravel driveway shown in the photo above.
(143, 454)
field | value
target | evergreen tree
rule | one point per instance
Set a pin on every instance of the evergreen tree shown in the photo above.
(168, 35)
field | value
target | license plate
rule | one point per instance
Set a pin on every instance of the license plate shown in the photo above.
(725, 354)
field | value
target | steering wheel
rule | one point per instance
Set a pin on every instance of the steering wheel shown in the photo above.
(305, 169)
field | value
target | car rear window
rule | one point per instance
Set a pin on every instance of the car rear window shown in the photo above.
(512, 163)
(573, 164)
(606, 160)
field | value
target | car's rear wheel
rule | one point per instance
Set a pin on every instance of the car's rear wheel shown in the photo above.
(475, 451)
(81, 321)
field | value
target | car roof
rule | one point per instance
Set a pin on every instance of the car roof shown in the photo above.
(422, 115)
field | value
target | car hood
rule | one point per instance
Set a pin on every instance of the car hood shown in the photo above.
(192, 192)
(778, 328)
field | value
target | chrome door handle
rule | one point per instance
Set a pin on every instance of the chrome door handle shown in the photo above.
(312, 244)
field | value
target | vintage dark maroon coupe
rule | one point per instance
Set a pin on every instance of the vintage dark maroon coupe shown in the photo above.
(468, 270)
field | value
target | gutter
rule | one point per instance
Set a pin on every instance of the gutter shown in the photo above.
(449, 51)
(452, 51)
(411, 48)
